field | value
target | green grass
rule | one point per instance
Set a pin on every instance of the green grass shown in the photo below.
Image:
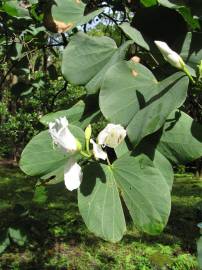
(58, 238)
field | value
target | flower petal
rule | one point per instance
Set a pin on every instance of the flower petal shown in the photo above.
(62, 136)
(97, 151)
(112, 135)
(72, 174)
(170, 56)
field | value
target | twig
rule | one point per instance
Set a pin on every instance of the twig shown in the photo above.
(57, 94)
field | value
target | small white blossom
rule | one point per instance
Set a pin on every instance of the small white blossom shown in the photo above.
(112, 135)
(169, 55)
(72, 175)
(97, 151)
(62, 136)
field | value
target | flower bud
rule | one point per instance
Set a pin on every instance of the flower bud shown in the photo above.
(88, 132)
(169, 55)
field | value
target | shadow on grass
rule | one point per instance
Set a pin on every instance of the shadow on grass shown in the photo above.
(185, 215)
(56, 227)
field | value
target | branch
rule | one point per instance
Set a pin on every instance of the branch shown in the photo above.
(111, 18)
(57, 94)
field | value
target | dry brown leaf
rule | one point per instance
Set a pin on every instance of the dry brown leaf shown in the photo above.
(56, 26)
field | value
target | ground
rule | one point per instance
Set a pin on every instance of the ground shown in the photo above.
(56, 238)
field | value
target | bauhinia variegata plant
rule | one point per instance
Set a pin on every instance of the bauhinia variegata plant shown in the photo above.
(147, 131)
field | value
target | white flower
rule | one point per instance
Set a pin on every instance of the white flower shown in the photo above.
(62, 136)
(112, 135)
(97, 151)
(169, 55)
(72, 174)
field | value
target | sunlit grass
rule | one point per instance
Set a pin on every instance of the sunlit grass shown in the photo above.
(58, 238)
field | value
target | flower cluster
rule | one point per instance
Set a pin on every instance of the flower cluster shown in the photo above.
(112, 135)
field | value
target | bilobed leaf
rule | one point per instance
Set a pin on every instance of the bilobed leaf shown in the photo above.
(131, 96)
(148, 147)
(123, 87)
(145, 192)
(143, 188)
(170, 95)
(95, 83)
(134, 34)
(68, 11)
(67, 14)
(85, 56)
(99, 203)
(181, 140)
(73, 114)
(40, 157)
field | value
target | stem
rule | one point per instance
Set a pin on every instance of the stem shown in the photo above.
(87, 146)
(188, 74)
(108, 162)
(85, 154)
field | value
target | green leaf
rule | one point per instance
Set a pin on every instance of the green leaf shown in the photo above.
(85, 56)
(145, 192)
(17, 236)
(121, 149)
(99, 203)
(13, 8)
(121, 91)
(148, 147)
(95, 83)
(135, 35)
(85, 19)
(183, 10)
(68, 11)
(181, 140)
(40, 157)
(73, 114)
(171, 4)
(4, 242)
(165, 168)
(90, 118)
(130, 95)
(40, 195)
(149, 3)
(54, 177)
(170, 95)
(191, 50)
